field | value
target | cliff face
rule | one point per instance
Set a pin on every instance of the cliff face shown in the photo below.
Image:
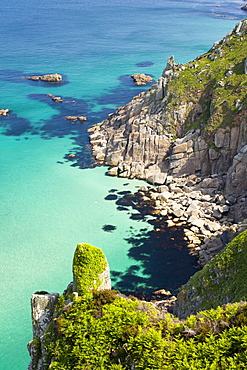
(192, 121)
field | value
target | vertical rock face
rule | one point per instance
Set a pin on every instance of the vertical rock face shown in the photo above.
(42, 313)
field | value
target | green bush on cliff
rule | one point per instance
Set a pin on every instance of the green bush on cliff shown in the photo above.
(126, 334)
(105, 330)
(88, 263)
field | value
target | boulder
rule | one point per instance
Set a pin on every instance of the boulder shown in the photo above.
(76, 118)
(141, 79)
(177, 211)
(193, 220)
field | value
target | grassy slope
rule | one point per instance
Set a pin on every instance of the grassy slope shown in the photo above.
(205, 81)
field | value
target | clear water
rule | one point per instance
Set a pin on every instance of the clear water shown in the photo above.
(48, 203)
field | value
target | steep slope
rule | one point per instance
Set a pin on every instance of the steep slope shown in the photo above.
(221, 281)
(193, 120)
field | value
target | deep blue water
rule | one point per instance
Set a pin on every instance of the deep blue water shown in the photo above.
(49, 203)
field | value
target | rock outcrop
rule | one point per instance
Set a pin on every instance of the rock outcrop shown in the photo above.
(52, 77)
(192, 121)
(42, 305)
(4, 112)
(90, 271)
(141, 79)
(144, 133)
(76, 118)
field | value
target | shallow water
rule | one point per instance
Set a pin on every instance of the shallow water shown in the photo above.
(50, 203)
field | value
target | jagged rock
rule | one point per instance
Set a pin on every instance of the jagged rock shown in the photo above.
(113, 171)
(42, 311)
(42, 314)
(193, 220)
(177, 211)
(141, 79)
(212, 226)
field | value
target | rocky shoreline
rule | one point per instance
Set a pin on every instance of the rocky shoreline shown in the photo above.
(199, 174)
(200, 208)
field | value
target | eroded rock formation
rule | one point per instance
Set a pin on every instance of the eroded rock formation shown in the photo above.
(192, 121)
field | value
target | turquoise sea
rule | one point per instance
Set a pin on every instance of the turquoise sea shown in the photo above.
(50, 203)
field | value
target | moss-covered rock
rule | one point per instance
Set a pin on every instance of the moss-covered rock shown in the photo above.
(90, 269)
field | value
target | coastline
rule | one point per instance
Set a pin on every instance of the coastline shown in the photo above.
(199, 174)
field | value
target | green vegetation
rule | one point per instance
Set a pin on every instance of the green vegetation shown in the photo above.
(216, 82)
(111, 332)
(104, 330)
(88, 263)
(222, 279)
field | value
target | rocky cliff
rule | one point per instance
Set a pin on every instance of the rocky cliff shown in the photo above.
(102, 329)
(187, 134)
(192, 121)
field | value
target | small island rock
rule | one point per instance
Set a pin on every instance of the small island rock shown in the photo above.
(4, 112)
(141, 79)
(52, 77)
(76, 118)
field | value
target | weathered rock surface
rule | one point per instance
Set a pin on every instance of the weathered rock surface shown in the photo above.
(149, 137)
(42, 305)
(141, 79)
(52, 77)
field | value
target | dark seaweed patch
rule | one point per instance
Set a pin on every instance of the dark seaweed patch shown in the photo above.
(144, 64)
(109, 228)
